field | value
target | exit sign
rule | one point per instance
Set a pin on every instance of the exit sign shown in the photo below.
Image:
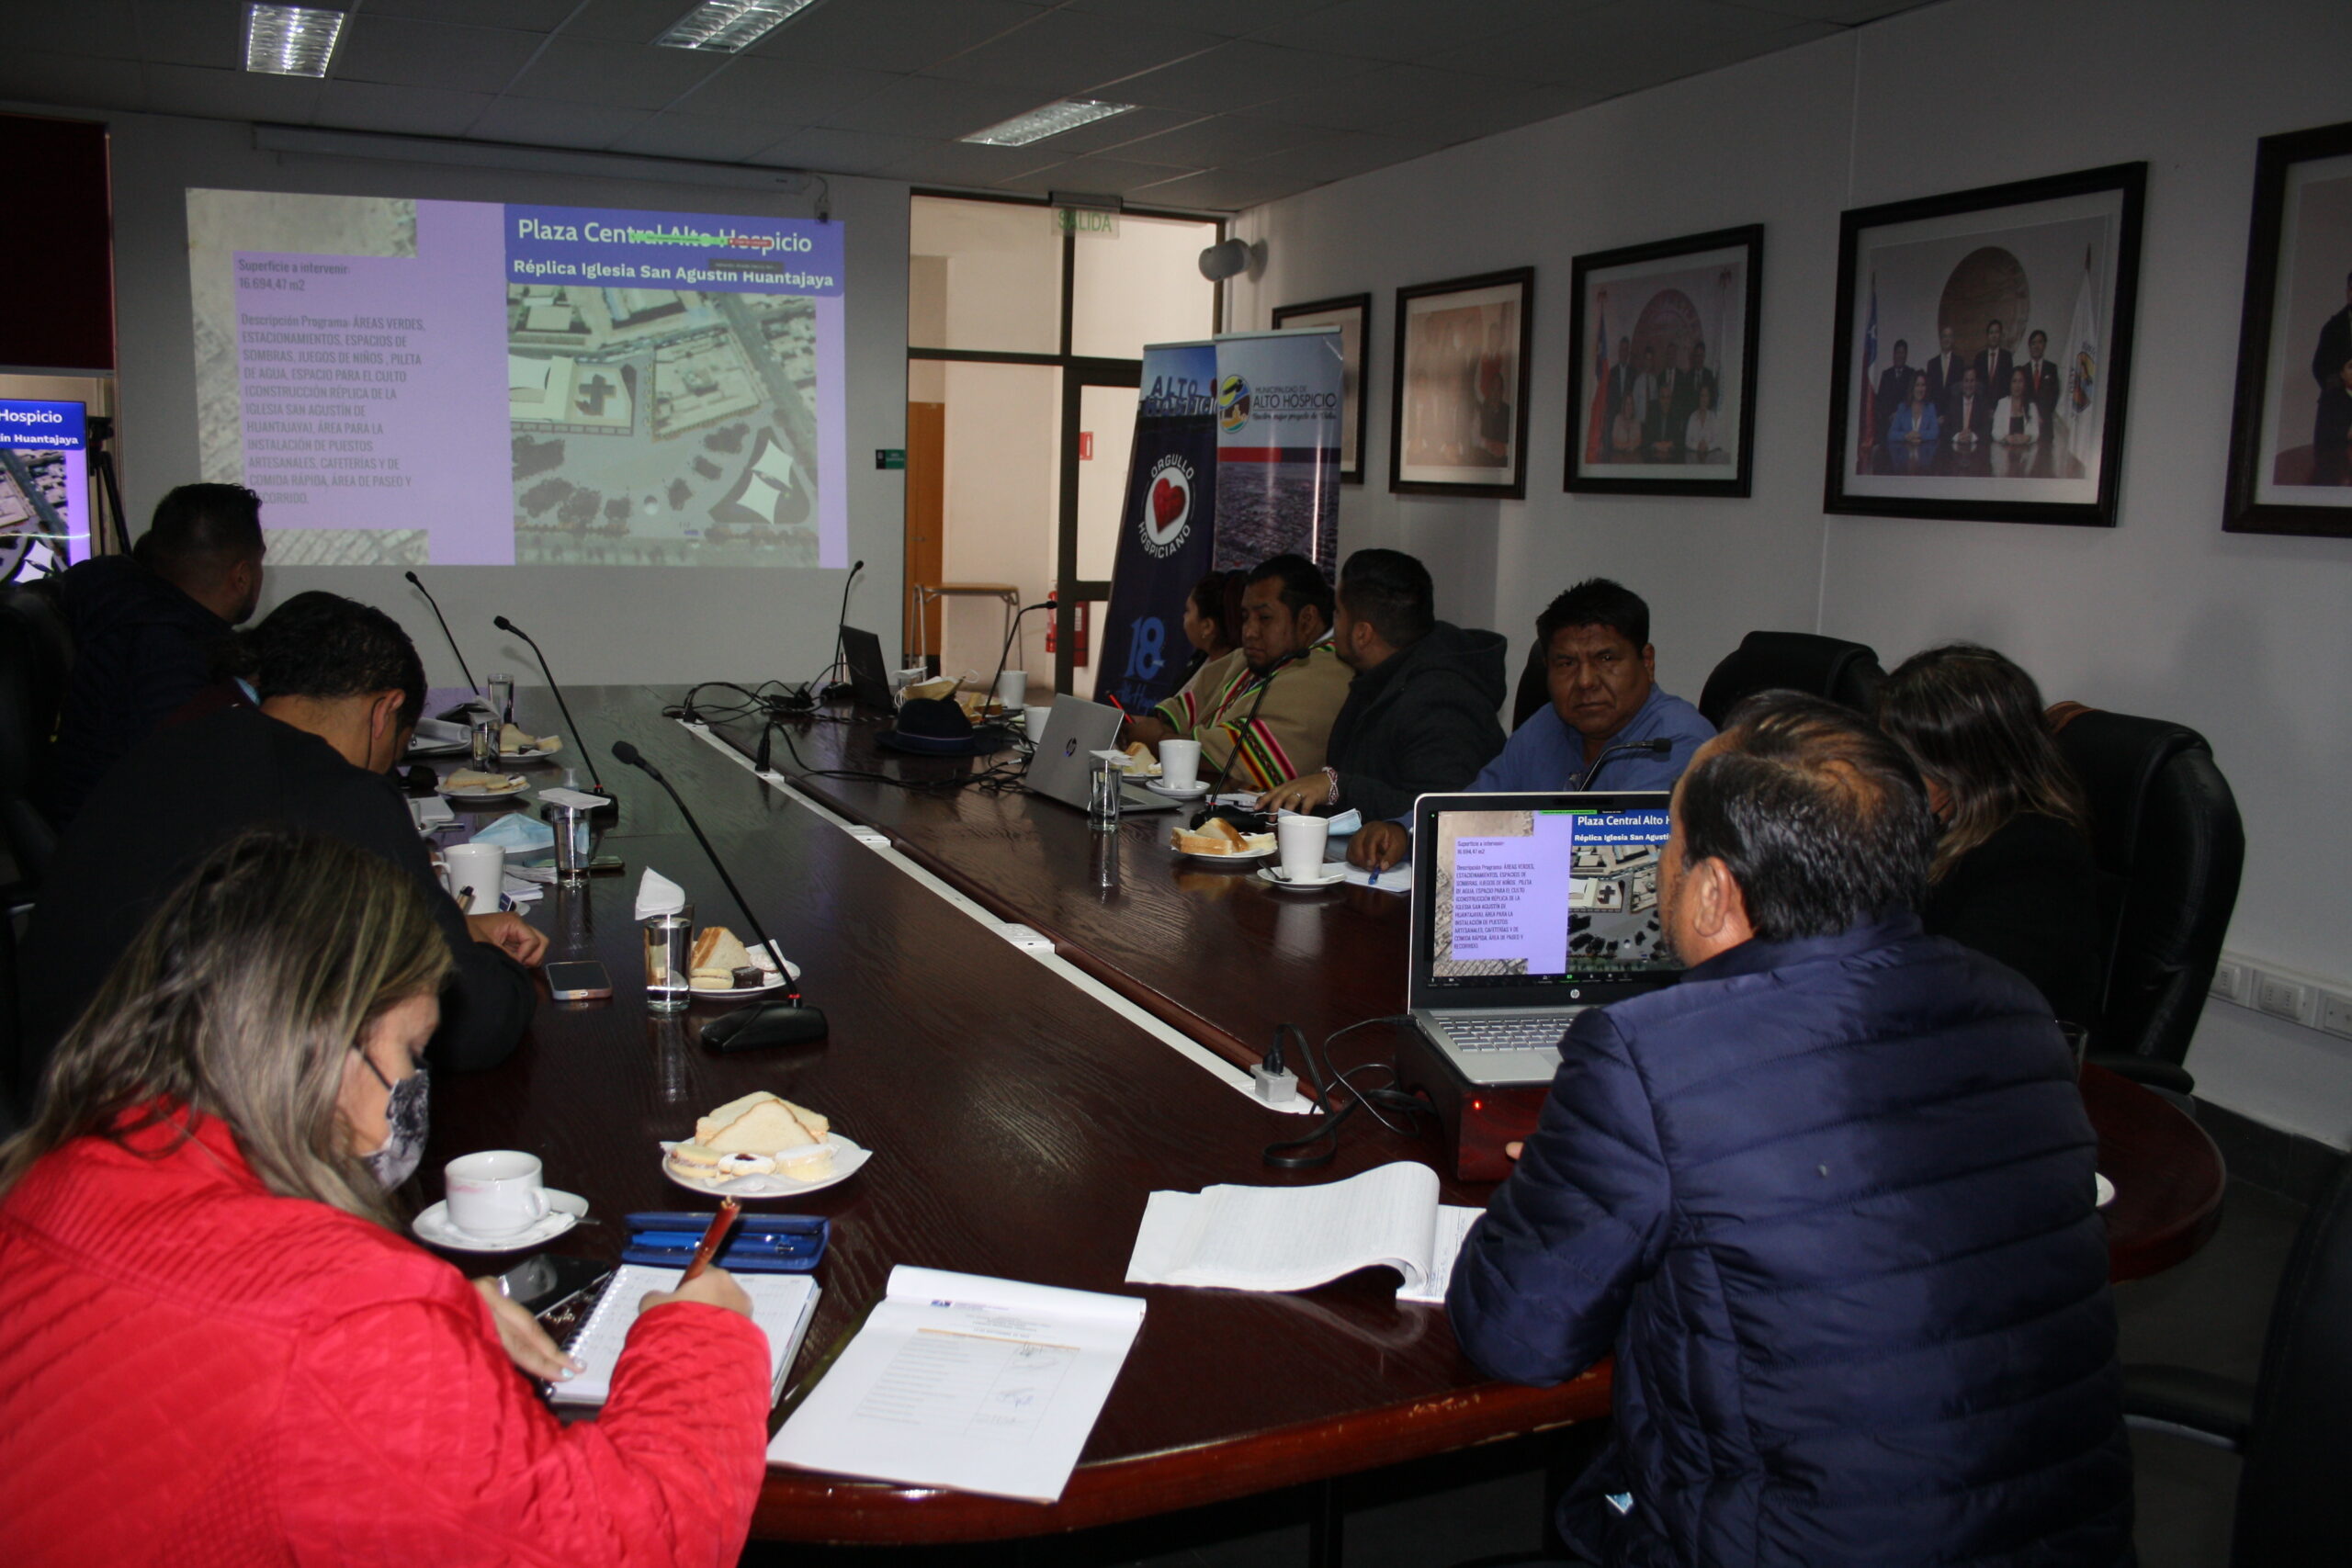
(1086, 220)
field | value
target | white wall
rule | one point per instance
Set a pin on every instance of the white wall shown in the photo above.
(597, 623)
(2244, 638)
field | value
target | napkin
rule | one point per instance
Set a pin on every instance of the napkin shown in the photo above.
(517, 833)
(657, 895)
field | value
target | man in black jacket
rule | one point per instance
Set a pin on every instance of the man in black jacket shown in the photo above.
(341, 688)
(1419, 715)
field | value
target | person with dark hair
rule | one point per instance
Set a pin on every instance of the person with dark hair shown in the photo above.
(1599, 669)
(1419, 714)
(1268, 717)
(217, 1341)
(2013, 875)
(146, 627)
(1894, 387)
(341, 688)
(1993, 363)
(2333, 349)
(1827, 1200)
(1209, 623)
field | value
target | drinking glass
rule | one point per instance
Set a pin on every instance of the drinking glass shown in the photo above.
(501, 696)
(669, 961)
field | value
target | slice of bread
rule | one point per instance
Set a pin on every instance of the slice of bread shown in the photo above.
(718, 951)
(1227, 832)
(473, 781)
(707, 1127)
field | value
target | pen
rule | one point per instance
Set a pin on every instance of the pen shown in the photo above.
(708, 1249)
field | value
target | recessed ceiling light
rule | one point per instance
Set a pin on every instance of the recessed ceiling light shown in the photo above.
(290, 41)
(729, 25)
(1051, 120)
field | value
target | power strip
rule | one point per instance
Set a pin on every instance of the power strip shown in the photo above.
(2282, 993)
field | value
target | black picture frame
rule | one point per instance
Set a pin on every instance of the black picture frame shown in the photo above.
(1668, 317)
(1976, 243)
(1449, 412)
(1348, 309)
(2282, 294)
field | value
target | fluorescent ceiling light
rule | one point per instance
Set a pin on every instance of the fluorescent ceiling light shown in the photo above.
(729, 25)
(290, 41)
(1051, 120)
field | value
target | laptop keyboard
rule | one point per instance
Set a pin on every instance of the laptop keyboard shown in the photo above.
(1539, 1032)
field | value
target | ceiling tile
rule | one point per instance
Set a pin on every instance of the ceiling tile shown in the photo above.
(838, 151)
(780, 92)
(899, 36)
(1108, 176)
(965, 163)
(589, 71)
(1063, 53)
(707, 137)
(626, 21)
(1218, 141)
(927, 107)
(173, 32)
(230, 95)
(409, 111)
(1624, 54)
(1220, 190)
(1846, 13)
(1409, 29)
(1337, 155)
(1382, 98)
(1228, 19)
(1235, 76)
(1503, 111)
(539, 122)
(1119, 130)
(529, 16)
(36, 76)
(432, 54)
(108, 28)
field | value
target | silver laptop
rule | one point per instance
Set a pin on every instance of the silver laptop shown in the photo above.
(1063, 767)
(1527, 910)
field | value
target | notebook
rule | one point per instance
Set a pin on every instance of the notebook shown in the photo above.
(1527, 910)
(782, 1305)
(1063, 766)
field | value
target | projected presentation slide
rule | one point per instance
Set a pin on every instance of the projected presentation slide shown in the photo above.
(1551, 895)
(44, 486)
(455, 383)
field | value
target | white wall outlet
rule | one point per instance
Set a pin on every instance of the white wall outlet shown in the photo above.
(2336, 1013)
(2229, 981)
(2282, 998)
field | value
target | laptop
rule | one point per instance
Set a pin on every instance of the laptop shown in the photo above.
(1063, 766)
(869, 682)
(1527, 910)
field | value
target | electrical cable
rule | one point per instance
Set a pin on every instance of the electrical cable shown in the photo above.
(1301, 1154)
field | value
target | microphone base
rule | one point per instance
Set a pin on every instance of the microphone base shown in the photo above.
(763, 1025)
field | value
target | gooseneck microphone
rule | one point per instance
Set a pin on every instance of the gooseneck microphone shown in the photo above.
(502, 623)
(826, 690)
(1657, 747)
(418, 584)
(1002, 658)
(788, 1022)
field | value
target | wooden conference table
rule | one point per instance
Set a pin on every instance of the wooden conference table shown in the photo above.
(1018, 1123)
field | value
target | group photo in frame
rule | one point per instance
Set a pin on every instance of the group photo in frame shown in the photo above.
(1983, 348)
(1458, 417)
(1353, 315)
(1662, 365)
(2290, 434)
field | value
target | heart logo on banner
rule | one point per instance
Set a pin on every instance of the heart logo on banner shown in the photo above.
(1167, 503)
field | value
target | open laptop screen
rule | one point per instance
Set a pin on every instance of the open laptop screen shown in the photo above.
(1533, 893)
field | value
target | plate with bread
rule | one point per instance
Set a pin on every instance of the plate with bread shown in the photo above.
(1220, 840)
(474, 787)
(1141, 763)
(724, 969)
(761, 1145)
(515, 745)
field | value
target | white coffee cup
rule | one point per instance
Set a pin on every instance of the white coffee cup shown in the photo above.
(1300, 839)
(495, 1193)
(1034, 720)
(481, 867)
(1180, 763)
(1011, 690)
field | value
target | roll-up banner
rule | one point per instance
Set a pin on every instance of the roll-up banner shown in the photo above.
(1167, 530)
(1235, 458)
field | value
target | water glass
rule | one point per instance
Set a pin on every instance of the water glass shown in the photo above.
(501, 696)
(670, 961)
(1103, 799)
(573, 847)
(485, 743)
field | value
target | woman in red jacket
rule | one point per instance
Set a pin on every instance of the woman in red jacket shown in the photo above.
(215, 1344)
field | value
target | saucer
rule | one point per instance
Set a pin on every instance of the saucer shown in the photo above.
(1335, 873)
(848, 1159)
(1193, 791)
(514, 786)
(565, 1210)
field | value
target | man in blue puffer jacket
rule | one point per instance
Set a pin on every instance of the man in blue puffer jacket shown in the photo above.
(1828, 1201)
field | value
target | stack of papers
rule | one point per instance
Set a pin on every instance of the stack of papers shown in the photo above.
(1292, 1238)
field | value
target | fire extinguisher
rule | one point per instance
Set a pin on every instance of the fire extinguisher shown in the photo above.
(1054, 625)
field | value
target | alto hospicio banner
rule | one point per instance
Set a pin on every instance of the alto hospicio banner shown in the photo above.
(1278, 399)
(1167, 530)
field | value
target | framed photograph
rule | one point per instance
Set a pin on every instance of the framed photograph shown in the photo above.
(1662, 365)
(1458, 420)
(1983, 347)
(1353, 316)
(2290, 439)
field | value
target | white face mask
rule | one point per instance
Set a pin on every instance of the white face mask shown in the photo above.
(403, 1150)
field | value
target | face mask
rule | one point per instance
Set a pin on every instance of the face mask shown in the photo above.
(404, 1150)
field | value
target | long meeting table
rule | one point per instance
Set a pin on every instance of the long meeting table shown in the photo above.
(1018, 1120)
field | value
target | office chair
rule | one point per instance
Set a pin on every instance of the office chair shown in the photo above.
(1830, 666)
(36, 650)
(2295, 1491)
(2169, 847)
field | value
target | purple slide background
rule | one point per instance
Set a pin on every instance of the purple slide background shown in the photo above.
(1542, 914)
(446, 428)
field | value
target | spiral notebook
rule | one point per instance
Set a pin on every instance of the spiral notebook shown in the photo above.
(780, 1303)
